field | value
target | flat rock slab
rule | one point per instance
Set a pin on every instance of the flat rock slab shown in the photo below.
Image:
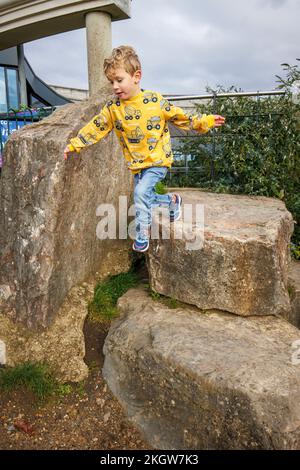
(242, 265)
(195, 380)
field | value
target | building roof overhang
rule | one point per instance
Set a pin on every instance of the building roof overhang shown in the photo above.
(28, 20)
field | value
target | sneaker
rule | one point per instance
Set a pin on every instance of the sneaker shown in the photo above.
(140, 246)
(176, 214)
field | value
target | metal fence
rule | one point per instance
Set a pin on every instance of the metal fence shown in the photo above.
(14, 120)
(181, 166)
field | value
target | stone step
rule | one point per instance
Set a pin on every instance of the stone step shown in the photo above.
(195, 380)
(237, 261)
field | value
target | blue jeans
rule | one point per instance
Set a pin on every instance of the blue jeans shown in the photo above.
(145, 198)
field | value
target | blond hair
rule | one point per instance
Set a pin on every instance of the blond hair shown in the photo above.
(122, 57)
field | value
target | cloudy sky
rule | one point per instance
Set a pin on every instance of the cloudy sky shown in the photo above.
(186, 45)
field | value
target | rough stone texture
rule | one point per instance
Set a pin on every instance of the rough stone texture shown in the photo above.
(294, 290)
(242, 267)
(48, 219)
(204, 380)
(61, 345)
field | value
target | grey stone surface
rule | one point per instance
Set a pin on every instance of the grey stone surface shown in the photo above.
(48, 221)
(48, 241)
(242, 266)
(195, 380)
(61, 345)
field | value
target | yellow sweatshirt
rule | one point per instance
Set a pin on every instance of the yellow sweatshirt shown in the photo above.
(141, 125)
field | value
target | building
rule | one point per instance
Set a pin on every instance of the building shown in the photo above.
(38, 92)
(28, 20)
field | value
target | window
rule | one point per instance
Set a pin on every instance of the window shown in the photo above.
(34, 101)
(3, 101)
(9, 92)
(12, 87)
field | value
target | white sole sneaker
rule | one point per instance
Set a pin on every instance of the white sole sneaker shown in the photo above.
(173, 219)
(140, 250)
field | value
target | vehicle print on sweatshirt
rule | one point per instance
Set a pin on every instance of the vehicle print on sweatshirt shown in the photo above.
(131, 112)
(164, 104)
(114, 101)
(168, 150)
(101, 122)
(152, 142)
(88, 139)
(138, 157)
(157, 163)
(192, 117)
(153, 123)
(118, 125)
(150, 97)
(136, 136)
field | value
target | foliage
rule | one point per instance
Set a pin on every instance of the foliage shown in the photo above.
(22, 108)
(256, 152)
(161, 188)
(36, 377)
(170, 302)
(106, 294)
(154, 295)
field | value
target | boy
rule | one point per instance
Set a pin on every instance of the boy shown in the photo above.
(139, 118)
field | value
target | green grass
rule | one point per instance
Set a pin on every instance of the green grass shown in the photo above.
(35, 377)
(168, 301)
(161, 188)
(154, 295)
(172, 303)
(80, 389)
(103, 307)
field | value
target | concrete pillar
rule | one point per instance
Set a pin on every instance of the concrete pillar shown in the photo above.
(22, 76)
(99, 46)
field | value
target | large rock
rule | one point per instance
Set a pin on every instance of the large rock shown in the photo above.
(61, 345)
(195, 380)
(48, 241)
(242, 266)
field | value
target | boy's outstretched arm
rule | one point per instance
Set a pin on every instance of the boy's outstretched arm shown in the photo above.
(95, 130)
(201, 123)
(219, 120)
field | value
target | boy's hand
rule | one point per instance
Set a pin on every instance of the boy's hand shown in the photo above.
(219, 120)
(67, 152)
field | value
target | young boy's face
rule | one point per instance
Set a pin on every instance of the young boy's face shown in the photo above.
(125, 85)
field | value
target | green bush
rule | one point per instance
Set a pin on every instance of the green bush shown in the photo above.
(255, 153)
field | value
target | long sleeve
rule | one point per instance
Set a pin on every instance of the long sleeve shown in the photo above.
(201, 123)
(91, 133)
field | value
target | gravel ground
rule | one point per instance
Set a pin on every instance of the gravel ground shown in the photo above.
(88, 418)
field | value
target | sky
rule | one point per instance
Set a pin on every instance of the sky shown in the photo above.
(185, 46)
